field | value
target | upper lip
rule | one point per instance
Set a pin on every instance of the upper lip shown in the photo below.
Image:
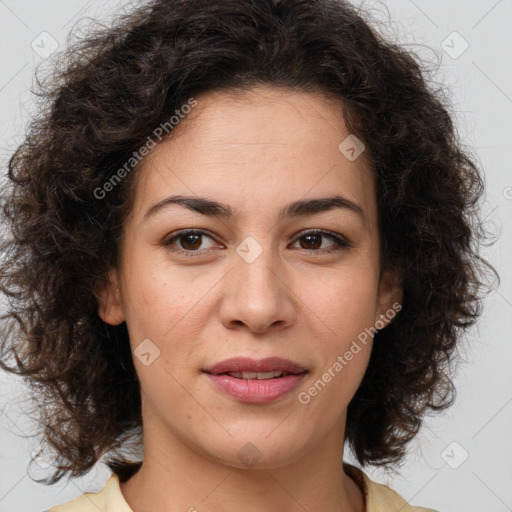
(247, 364)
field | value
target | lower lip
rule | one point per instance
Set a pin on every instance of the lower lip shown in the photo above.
(256, 391)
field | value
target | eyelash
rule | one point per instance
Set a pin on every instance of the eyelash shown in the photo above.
(339, 243)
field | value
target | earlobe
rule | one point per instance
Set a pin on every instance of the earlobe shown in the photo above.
(390, 299)
(109, 300)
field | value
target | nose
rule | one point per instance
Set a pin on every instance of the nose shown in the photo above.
(258, 294)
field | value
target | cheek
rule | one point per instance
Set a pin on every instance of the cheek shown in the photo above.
(341, 315)
(155, 296)
(168, 306)
(345, 301)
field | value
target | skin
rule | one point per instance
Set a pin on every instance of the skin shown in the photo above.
(255, 151)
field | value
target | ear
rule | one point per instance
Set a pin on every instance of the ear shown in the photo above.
(389, 301)
(108, 294)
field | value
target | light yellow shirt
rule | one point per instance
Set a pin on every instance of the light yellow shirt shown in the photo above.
(379, 498)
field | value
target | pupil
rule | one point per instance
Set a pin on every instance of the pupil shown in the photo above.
(195, 238)
(309, 237)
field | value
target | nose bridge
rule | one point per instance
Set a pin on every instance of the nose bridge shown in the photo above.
(258, 296)
(257, 266)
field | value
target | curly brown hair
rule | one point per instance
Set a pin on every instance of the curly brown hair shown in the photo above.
(107, 94)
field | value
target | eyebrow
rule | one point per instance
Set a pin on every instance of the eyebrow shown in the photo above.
(295, 209)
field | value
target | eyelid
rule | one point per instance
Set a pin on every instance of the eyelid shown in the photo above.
(182, 232)
(324, 232)
(341, 242)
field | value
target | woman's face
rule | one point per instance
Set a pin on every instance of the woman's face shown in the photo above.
(255, 283)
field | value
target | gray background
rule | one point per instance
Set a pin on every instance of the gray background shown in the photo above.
(462, 459)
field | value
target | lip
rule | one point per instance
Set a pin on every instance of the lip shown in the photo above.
(247, 364)
(255, 391)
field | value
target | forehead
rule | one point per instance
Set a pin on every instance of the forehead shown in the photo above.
(257, 148)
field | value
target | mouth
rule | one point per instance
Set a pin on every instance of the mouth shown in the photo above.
(255, 381)
(276, 374)
(256, 369)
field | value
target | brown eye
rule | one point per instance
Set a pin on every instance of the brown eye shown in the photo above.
(313, 241)
(188, 242)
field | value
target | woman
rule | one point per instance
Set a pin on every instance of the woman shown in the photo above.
(243, 233)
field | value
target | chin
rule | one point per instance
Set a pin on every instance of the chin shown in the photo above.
(258, 451)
